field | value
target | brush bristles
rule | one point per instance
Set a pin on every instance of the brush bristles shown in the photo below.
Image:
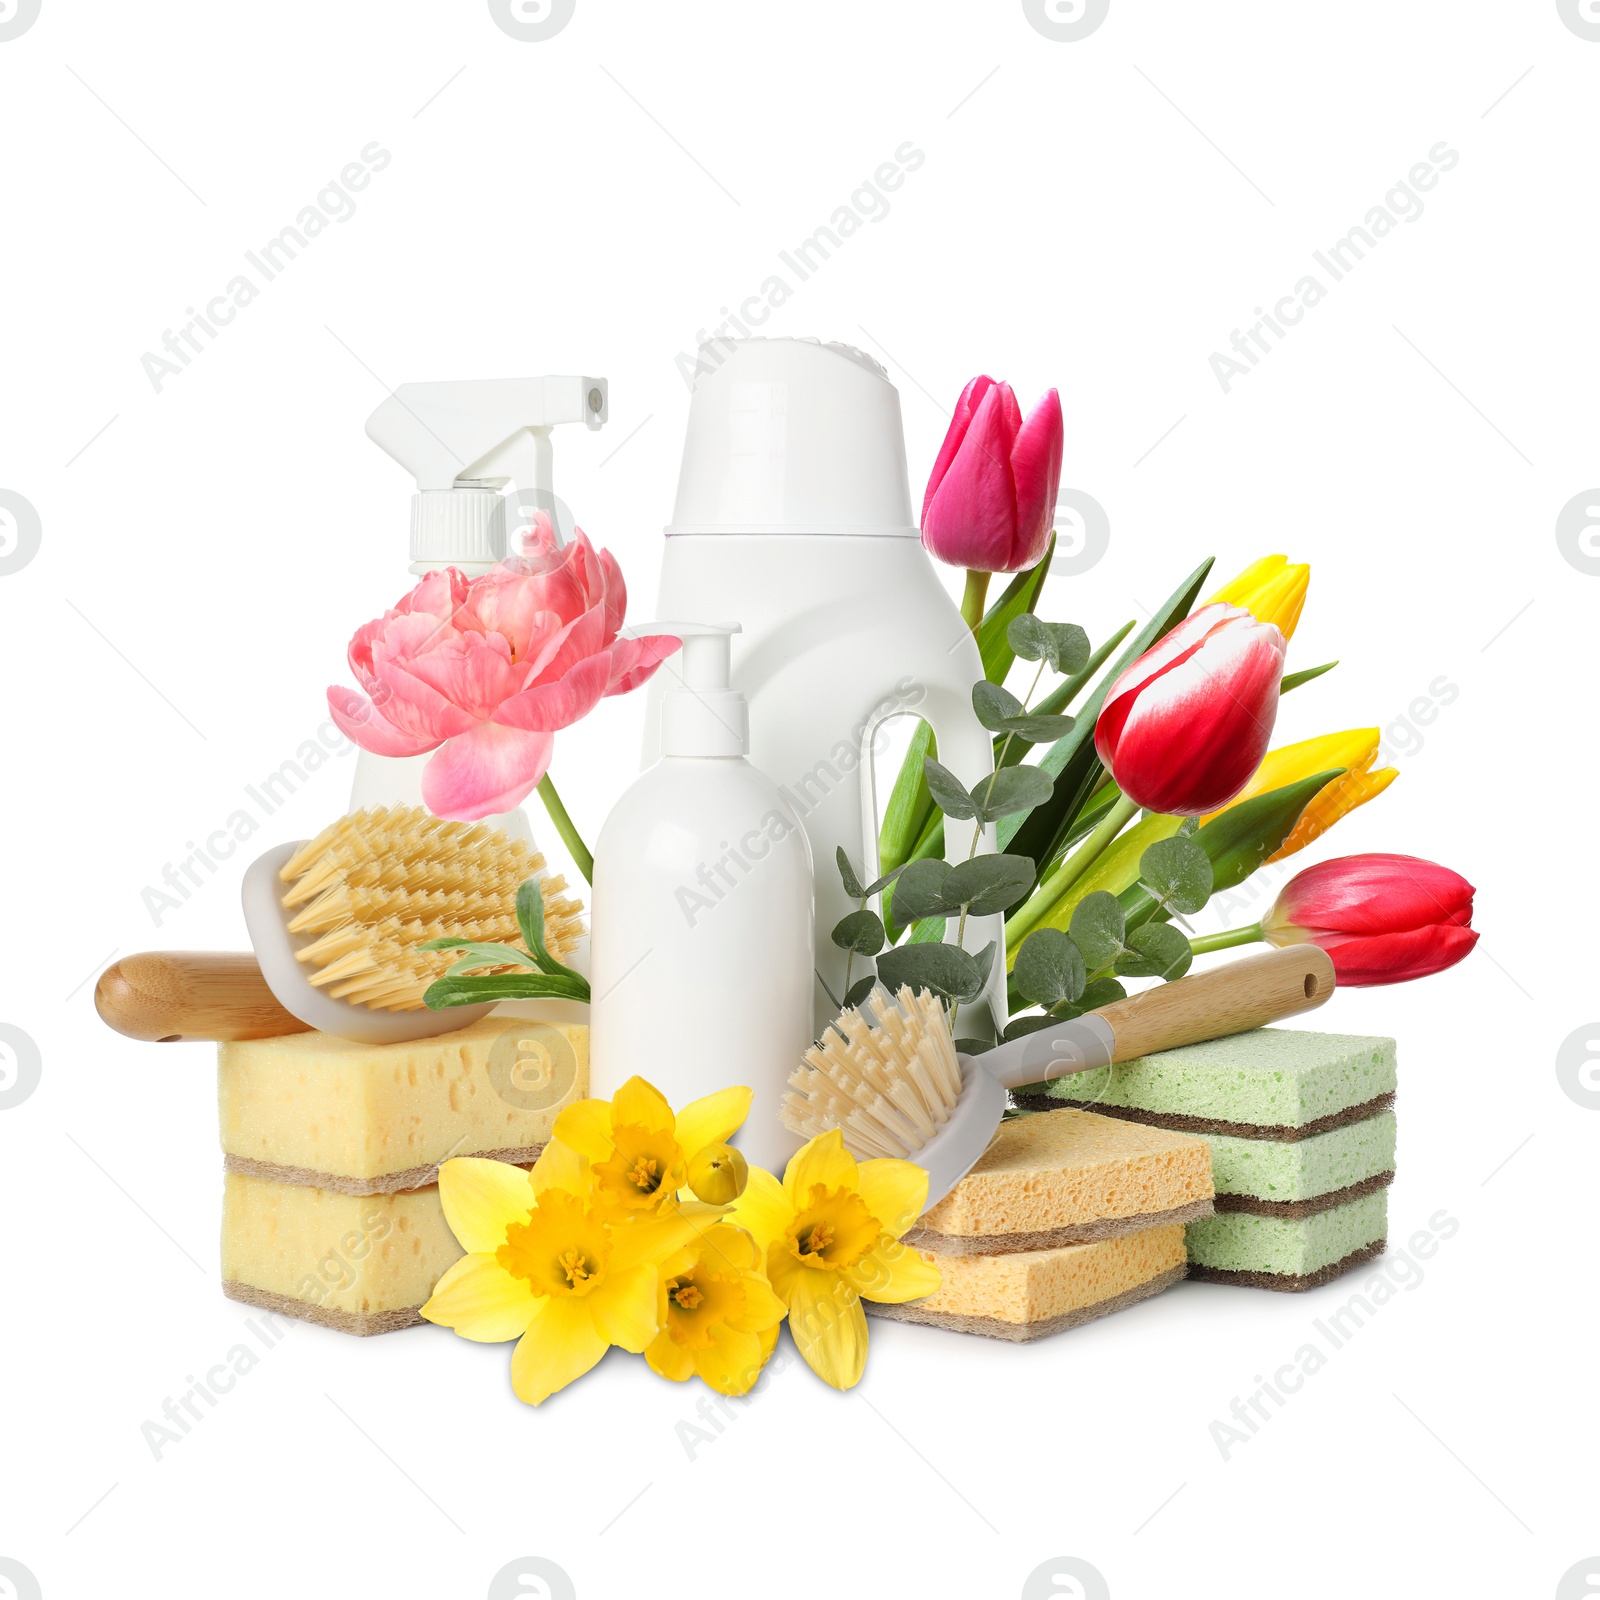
(374, 885)
(886, 1076)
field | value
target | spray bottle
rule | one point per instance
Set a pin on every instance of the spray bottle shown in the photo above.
(462, 443)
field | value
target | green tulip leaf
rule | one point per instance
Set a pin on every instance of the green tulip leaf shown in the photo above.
(943, 968)
(1098, 928)
(1177, 872)
(1049, 968)
(1305, 675)
(1157, 950)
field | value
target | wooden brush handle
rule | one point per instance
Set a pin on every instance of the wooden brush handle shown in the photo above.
(173, 995)
(1210, 1005)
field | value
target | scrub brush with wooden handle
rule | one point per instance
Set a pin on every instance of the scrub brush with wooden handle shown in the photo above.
(336, 922)
(890, 1078)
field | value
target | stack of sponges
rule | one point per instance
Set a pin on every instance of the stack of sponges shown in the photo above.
(1302, 1146)
(1067, 1216)
(332, 1151)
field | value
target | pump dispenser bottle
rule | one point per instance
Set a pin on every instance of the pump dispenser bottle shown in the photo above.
(702, 929)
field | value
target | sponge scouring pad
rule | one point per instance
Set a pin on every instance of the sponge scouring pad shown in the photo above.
(1031, 1294)
(1068, 1177)
(1296, 1178)
(1288, 1254)
(1272, 1083)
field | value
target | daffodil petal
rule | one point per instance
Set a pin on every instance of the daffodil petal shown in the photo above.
(561, 1344)
(585, 1125)
(712, 1119)
(824, 1161)
(560, 1167)
(828, 1326)
(641, 1104)
(649, 1241)
(895, 1192)
(763, 1208)
(731, 1248)
(481, 1199)
(893, 1273)
(668, 1358)
(627, 1307)
(732, 1362)
(481, 1301)
(762, 1307)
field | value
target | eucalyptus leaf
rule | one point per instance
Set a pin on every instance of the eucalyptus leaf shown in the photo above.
(947, 791)
(1097, 929)
(994, 705)
(1049, 968)
(859, 990)
(860, 932)
(1020, 1027)
(987, 884)
(974, 1047)
(1177, 872)
(1157, 950)
(985, 961)
(1102, 992)
(848, 876)
(943, 968)
(919, 891)
(1009, 790)
(1063, 644)
(1036, 727)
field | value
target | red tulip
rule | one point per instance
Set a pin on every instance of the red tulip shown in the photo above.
(992, 493)
(1382, 918)
(1185, 727)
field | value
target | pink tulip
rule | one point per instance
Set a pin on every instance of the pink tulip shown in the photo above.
(485, 671)
(1185, 727)
(992, 493)
(1382, 918)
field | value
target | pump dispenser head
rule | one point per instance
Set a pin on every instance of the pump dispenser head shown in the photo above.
(701, 716)
(463, 442)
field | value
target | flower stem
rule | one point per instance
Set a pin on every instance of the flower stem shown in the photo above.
(570, 836)
(972, 600)
(1056, 885)
(1227, 940)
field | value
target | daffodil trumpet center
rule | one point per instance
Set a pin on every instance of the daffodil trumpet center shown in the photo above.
(645, 1166)
(562, 1249)
(834, 1230)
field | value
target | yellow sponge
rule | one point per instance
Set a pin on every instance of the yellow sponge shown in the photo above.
(1060, 1178)
(367, 1119)
(359, 1263)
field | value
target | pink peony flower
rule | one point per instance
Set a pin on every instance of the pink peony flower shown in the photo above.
(484, 671)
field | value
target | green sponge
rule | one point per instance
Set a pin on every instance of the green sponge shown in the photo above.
(1276, 1253)
(1302, 1170)
(1273, 1083)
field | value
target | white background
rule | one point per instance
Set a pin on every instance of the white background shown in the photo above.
(1098, 215)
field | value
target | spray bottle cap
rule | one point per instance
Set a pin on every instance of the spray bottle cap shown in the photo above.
(463, 442)
(700, 714)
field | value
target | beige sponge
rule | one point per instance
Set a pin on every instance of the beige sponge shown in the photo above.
(1069, 1177)
(366, 1119)
(1031, 1294)
(360, 1263)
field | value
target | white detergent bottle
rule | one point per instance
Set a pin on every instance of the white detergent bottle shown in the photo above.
(463, 442)
(702, 934)
(794, 515)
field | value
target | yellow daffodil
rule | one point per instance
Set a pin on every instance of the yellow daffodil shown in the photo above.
(721, 1317)
(1355, 750)
(1271, 590)
(551, 1265)
(831, 1233)
(639, 1152)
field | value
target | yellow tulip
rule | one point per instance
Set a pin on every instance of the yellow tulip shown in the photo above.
(641, 1154)
(721, 1318)
(1271, 590)
(551, 1265)
(1355, 750)
(831, 1235)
